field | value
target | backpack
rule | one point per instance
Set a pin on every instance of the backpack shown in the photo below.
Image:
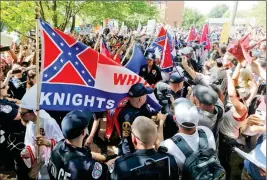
(202, 164)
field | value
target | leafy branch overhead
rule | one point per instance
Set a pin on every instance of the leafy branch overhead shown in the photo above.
(20, 15)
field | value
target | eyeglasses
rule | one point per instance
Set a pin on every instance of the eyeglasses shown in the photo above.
(23, 113)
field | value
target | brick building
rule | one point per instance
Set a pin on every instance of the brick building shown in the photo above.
(171, 12)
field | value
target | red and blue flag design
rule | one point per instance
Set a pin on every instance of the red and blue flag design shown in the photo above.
(74, 76)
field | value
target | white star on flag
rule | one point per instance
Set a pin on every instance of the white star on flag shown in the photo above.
(69, 53)
(61, 60)
(76, 63)
(61, 44)
(89, 80)
(83, 71)
(45, 75)
(77, 49)
(53, 34)
(55, 68)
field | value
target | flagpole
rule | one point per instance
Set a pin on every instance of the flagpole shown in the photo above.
(37, 16)
(98, 39)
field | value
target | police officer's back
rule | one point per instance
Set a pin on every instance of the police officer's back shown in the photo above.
(136, 106)
(69, 160)
(145, 162)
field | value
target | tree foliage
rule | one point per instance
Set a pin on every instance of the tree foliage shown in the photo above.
(19, 15)
(192, 17)
(259, 12)
(218, 11)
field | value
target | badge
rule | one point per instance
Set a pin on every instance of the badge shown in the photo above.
(97, 171)
(154, 72)
(144, 69)
(126, 129)
(6, 109)
(111, 168)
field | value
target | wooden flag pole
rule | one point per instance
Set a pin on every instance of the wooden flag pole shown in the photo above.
(97, 42)
(37, 16)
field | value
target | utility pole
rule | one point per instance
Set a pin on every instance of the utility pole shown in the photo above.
(232, 18)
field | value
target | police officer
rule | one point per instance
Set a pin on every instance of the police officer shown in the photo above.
(145, 162)
(150, 71)
(12, 134)
(69, 160)
(136, 106)
(167, 93)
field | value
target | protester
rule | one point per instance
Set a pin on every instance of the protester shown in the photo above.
(228, 92)
(50, 134)
(189, 139)
(150, 72)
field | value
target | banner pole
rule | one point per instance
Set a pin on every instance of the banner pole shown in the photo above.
(37, 16)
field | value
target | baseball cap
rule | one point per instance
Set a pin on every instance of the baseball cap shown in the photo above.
(138, 90)
(176, 78)
(186, 113)
(75, 122)
(150, 56)
(205, 95)
(144, 129)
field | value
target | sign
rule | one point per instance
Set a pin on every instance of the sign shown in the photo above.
(225, 32)
(151, 25)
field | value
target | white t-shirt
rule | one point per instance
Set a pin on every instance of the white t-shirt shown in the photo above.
(192, 141)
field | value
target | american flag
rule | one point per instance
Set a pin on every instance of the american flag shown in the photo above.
(64, 56)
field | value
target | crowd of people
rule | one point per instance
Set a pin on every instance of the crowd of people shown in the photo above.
(210, 105)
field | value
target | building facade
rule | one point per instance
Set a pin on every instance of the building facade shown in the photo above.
(170, 12)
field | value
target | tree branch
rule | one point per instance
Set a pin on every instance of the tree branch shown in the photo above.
(42, 10)
(19, 32)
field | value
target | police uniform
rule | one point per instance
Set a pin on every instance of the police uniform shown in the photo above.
(131, 166)
(12, 134)
(70, 162)
(154, 75)
(129, 113)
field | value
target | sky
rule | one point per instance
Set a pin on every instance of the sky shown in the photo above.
(205, 6)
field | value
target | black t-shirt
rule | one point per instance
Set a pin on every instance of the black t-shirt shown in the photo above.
(151, 77)
(17, 87)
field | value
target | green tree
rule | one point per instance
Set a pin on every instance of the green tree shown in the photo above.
(259, 12)
(192, 17)
(129, 12)
(19, 15)
(218, 11)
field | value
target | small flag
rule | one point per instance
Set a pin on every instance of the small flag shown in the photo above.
(136, 61)
(192, 34)
(204, 40)
(166, 62)
(104, 49)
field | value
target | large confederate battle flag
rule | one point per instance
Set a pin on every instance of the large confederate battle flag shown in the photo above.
(75, 76)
